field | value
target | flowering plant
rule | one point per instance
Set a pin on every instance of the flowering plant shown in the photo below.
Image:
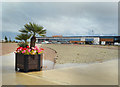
(27, 51)
(23, 44)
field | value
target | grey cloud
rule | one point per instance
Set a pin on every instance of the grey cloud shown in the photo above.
(65, 18)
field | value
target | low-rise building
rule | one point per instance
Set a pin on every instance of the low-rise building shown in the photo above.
(96, 40)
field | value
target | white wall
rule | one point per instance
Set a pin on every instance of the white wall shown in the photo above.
(96, 41)
(83, 39)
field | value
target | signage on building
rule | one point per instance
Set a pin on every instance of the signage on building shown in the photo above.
(57, 36)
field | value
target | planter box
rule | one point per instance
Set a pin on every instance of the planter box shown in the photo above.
(26, 63)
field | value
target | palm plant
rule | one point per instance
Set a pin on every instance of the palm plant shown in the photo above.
(33, 29)
(23, 37)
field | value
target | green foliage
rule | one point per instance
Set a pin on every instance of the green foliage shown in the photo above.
(13, 41)
(23, 31)
(29, 30)
(10, 39)
(23, 44)
(33, 29)
(6, 40)
(23, 37)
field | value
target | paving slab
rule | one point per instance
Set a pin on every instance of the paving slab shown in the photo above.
(11, 77)
(105, 73)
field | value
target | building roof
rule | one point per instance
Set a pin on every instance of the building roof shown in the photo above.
(81, 36)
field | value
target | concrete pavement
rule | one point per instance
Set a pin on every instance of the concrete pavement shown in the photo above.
(90, 74)
(105, 73)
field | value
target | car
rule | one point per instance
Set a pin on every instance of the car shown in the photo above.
(116, 43)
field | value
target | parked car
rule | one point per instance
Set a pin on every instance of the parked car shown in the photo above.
(116, 43)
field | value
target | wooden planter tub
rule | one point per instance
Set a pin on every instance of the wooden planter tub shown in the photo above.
(26, 63)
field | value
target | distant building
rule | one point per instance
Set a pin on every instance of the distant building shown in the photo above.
(109, 40)
(103, 40)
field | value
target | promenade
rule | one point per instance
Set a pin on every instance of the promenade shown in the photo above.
(105, 73)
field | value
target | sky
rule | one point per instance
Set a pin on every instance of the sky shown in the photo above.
(61, 18)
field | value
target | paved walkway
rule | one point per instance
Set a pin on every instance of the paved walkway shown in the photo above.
(90, 74)
(10, 77)
(105, 73)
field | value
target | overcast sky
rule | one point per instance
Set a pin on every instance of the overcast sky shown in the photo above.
(61, 18)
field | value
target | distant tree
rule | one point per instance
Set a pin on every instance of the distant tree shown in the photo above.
(16, 41)
(13, 41)
(10, 39)
(6, 40)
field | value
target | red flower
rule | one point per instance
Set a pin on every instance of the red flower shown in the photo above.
(24, 48)
(27, 46)
(21, 48)
(18, 48)
(41, 48)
